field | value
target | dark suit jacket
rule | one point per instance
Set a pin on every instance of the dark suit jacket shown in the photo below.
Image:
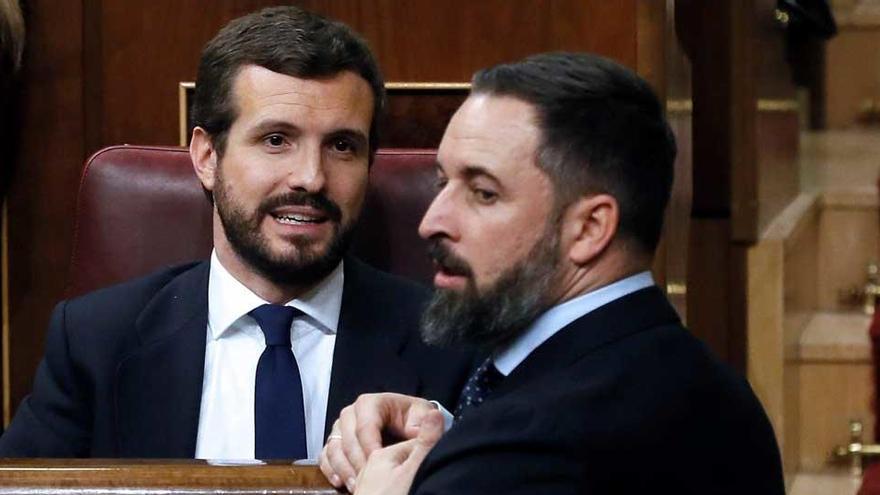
(623, 400)
(122, 374)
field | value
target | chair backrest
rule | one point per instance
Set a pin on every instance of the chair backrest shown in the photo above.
(141, 208)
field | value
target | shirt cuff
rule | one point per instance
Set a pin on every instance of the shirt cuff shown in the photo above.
(448, 418)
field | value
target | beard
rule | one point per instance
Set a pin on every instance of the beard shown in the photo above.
(490, 319)
(299, 265)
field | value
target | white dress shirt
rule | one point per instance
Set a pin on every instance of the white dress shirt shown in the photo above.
(234, 345)
(557, 317)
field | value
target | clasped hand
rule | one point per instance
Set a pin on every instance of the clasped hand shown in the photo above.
(355, 455)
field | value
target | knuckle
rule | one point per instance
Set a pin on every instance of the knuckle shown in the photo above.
(345, 412)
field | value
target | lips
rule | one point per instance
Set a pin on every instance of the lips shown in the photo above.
(447, 262)
(299, 217)
(296, 219)
(301, 208)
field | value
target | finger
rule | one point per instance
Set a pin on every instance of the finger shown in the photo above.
(414, 417)
(430, 431)
(384, 461)
(350, 445)
(341, 472)
(327, 469)
(372, 417)
(405, 457)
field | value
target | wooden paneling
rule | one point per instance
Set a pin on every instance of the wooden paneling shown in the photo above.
(744, 160)
(776, 141)
(416, 118)
(672, 254)
(144, 56)
(832, 393)
(851, 77)
(849, 242)
(44, 184)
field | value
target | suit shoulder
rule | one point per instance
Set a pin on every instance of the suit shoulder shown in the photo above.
(119, 304)
(146, 284)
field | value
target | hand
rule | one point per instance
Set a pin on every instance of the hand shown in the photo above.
(358, 432)
(390, 471)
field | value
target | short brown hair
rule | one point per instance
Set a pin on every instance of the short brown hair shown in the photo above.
(287, 40)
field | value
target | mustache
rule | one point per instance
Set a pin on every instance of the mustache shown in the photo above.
(301, 198)
(450, 262)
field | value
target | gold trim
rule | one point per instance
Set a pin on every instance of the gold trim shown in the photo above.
(679, 106)
(183, 110)
(428, 86)
(676, 289)
(4, 265)
(777, 105)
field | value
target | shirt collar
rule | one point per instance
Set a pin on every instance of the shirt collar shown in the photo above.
(229, 299)
(557, 317)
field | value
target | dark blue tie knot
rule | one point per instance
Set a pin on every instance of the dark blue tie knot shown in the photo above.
(275, 321)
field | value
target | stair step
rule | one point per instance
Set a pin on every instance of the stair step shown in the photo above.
(836, 336)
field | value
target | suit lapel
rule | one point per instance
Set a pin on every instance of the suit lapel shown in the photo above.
(368, 345)
(159, 384)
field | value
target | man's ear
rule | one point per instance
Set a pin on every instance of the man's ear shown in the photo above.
(204, 157)
(589, 225)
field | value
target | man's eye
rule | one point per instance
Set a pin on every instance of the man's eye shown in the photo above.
(440, 183)
(275, 140)
(343, 146)
(485, 196)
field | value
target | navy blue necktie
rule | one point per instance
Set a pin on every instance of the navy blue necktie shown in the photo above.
(481, 383)
(279, 417)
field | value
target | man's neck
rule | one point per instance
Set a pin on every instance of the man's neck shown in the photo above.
(605, 271)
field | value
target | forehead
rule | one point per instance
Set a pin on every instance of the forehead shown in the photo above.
(499, 133)
(345, 96)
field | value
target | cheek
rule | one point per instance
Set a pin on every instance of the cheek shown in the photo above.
(246, 176)
(505, 244)
(348, 189)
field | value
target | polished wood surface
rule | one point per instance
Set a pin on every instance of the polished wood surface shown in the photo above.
(192, 477)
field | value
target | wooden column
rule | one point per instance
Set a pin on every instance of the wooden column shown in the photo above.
(717, 39)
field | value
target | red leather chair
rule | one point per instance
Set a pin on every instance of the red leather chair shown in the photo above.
(141, 208)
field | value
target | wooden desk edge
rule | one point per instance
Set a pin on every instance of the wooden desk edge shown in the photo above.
(93, 476)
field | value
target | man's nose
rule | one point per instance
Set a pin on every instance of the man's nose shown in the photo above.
(306, 171)
(440, 219)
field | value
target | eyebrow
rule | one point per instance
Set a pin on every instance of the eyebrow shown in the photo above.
(274, 125)
(473, 171)
(282, 125)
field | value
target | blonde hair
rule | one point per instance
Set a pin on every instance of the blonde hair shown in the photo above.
(11, 33)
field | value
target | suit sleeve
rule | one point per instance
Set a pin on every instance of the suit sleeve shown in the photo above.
(509, 470)
(53, 421)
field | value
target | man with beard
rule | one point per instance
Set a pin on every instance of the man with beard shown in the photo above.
(553, 180)
(247, 354)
